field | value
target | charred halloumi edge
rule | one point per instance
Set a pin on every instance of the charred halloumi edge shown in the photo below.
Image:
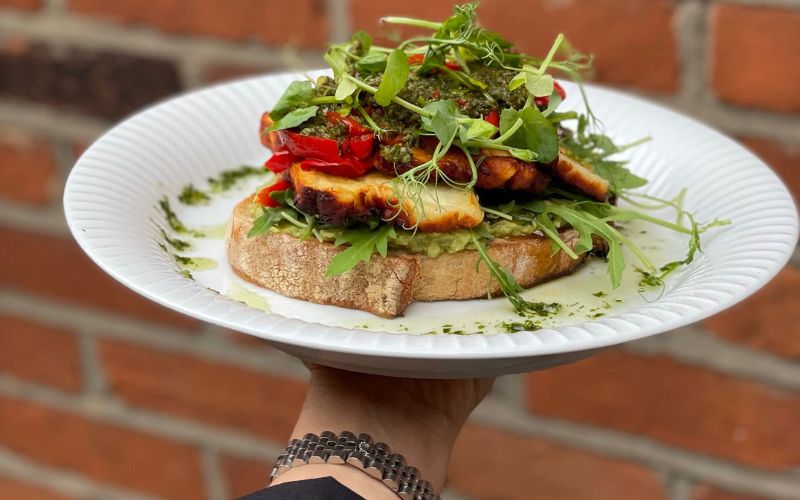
(337, 200)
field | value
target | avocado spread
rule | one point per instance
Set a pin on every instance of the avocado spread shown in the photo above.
(429, 244)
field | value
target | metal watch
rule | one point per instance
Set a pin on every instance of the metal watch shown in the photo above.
(376, 459)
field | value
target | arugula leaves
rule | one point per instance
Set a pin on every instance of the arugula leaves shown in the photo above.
(363, 243)
(394, 77)
(596, 149)
(509, 286)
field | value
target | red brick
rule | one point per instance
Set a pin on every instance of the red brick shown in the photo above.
(264, 20)
(682, 405)
(216, 393)
(42, 354)
(633, 41)
(489, 463)
(103, 452)
(102, 83)
(21, 4)
(28, 171)
(57, 268)
(13, 490)
(783, 158)
(706, 492)
(243, 476)
(768, 321)
(754, 56)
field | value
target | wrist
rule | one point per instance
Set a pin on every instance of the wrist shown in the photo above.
(423, 436)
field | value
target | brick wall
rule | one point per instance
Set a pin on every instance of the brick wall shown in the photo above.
(106, 395)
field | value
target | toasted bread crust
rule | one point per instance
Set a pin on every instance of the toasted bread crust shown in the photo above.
(386, 286)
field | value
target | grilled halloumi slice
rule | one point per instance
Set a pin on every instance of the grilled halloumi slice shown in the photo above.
(337, 200)
(576, 174)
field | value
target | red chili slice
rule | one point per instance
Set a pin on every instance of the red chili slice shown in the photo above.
(542, 102)
(420, 58)
(560, 90)
(280, 161)
(264, 195)
(493, 117)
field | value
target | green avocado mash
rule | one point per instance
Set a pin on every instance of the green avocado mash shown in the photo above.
(429, 244)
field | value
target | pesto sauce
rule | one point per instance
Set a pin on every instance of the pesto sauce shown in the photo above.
(420, 90)
(228, 178)
(176, 243)
(193, 196)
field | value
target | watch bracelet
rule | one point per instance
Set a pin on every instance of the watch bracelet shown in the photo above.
(376, 459)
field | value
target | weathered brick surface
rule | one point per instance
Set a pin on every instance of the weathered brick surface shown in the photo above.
(103, 452)
(783, 158)
(216, 393)
(27, 167)
(706, 492)
(39, 353)
(55, 267)
(243, 476)
(21, 4)
(302, 23)
(686, 406)
(11, 489)
(754, 56)
(104, 84)
(769, 320)
(633, 41)
(489, 463)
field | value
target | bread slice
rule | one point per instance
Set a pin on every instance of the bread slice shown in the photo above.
(386, 286)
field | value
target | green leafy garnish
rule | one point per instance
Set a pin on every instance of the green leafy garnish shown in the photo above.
(535, 132)
(295, 117)
(297, 95)
(394, 77)
(363, 243)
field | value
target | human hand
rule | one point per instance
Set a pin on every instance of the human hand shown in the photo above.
(418, 418)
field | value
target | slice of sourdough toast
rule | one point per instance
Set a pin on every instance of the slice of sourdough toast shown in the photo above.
(385, 286)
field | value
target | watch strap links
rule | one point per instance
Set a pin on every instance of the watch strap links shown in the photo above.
(376, 459)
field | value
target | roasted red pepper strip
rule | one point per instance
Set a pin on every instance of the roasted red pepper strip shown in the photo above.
(280, 161)
(264, 195)
(354, 128)
(346, 167)
(493, 117)
(307, 146)
(268, 139)
(360, 146)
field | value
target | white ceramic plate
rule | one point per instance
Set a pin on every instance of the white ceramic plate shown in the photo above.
(111, 202)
